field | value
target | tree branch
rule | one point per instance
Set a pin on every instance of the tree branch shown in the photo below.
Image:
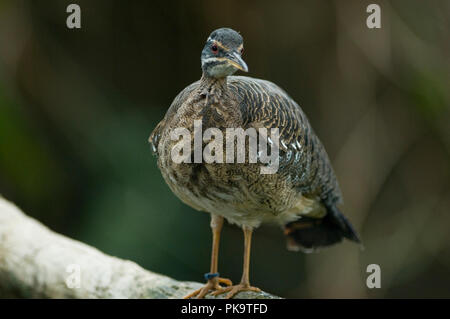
(36, 262)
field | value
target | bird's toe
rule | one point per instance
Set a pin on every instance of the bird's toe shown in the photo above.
(212, 285)
(234, 290)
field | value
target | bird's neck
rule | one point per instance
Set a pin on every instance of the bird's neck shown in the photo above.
(220, 108)
(212, 85)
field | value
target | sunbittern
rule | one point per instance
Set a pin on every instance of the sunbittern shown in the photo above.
(301, 196)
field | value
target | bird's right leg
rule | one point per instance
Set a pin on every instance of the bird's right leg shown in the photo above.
(213, 279)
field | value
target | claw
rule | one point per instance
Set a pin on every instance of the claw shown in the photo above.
(233, 290)
(213, 284)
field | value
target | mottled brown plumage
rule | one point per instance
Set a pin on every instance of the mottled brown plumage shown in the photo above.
(301, 196)
(245, 102)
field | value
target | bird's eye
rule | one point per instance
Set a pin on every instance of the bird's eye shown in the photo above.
(214, 48)
(242, 51)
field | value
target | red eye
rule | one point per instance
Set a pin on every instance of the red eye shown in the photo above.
(214, 48)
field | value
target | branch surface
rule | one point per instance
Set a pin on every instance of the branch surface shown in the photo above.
(36, 262)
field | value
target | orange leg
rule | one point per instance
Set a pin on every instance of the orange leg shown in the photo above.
(244, 285)
(214, 282)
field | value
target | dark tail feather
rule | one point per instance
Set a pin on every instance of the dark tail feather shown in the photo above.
(308, 233)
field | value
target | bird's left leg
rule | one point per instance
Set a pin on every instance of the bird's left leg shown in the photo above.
(213, 279)
(244, 285)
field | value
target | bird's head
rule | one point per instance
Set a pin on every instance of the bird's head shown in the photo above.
(222, 54)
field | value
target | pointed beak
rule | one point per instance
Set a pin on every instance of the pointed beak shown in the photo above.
(235, 60)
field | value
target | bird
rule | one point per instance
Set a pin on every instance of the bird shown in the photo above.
(302, 196)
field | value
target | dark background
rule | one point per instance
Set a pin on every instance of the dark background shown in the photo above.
(77, 107)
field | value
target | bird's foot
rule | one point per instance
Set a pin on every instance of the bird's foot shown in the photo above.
(212, 284)
(233, 290)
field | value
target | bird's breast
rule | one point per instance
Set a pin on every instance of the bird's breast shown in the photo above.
(236, 190)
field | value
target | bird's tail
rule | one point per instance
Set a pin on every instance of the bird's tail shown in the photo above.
(307, 234)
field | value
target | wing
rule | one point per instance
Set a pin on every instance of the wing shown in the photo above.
(303, 158)
(177, 102)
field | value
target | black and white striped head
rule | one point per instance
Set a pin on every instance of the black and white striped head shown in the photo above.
(222, 54)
